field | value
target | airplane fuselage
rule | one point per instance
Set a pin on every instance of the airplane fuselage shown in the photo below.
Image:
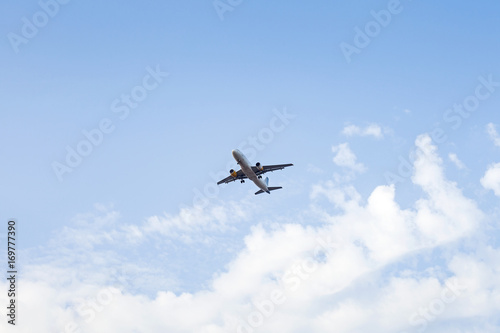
(246, 167)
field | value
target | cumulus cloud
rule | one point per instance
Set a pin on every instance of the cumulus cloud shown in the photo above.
(363, 266)
(370, 130)
(344, 157)
(445, 213)
(491, 179)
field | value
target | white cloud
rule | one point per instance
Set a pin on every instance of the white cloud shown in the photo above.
(454, 158)
(344, 157)
(358, 269)
(370, 130)
(491, 179)
(446, 213)
(492, 131)
(195, 220)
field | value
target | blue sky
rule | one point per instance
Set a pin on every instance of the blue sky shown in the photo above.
(207, 82)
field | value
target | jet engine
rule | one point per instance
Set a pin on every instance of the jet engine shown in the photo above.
(259, 167)
(233, 173)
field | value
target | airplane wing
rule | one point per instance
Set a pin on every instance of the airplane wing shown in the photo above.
(267, 168)
(228, 179)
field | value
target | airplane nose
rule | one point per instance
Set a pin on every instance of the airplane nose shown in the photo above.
(237, 155)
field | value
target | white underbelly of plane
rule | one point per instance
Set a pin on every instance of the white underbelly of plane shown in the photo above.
(247, 170)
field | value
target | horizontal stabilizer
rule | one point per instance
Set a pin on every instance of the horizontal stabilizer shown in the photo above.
(270, 189)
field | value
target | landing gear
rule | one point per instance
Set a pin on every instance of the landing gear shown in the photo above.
(242, 181)
(259, 176)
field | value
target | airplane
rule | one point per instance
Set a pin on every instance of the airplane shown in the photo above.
(254, 173)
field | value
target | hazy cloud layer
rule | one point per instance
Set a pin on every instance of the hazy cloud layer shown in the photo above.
(370, 130)
(492, 131)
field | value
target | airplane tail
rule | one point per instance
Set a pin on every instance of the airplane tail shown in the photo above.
(269, 188)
